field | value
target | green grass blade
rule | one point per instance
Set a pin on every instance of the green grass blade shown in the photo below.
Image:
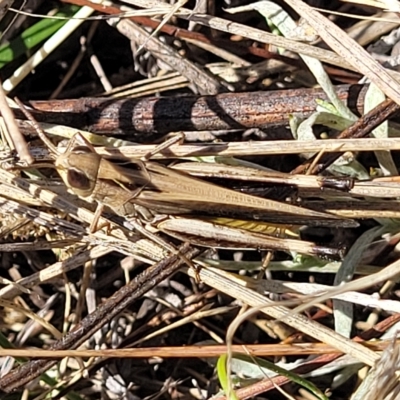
(33, 36)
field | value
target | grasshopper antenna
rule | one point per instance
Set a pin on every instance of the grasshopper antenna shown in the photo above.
(53, 149)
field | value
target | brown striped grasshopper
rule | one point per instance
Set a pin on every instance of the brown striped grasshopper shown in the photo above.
(152, 186)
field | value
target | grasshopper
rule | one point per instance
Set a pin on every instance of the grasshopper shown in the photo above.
(165, 191)
(168, 191)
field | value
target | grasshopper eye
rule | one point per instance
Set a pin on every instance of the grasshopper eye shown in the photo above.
(78, 180)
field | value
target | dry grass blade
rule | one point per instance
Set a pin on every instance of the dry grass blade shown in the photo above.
(211, 234)
(196, 351)
(206, 84)
(239, 149)
(236, 287)
(166, 18)
(382, 382)
(350, 50)
(14, 135)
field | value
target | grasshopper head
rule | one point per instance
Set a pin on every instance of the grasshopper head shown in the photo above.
(78, 168)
